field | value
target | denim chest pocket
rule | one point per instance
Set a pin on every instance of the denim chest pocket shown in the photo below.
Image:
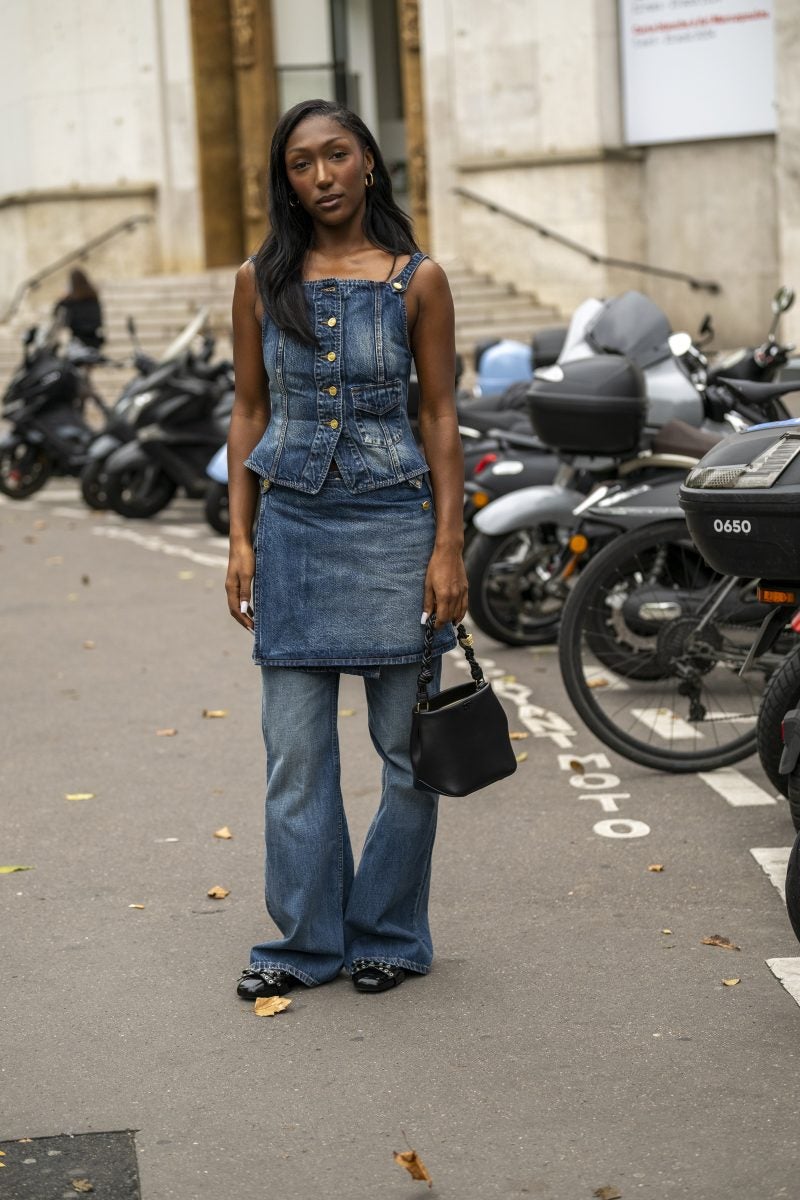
(378, 412)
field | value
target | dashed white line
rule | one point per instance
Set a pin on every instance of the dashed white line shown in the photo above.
(787, 972)
(736, 788)
(667, 724)
(157, 544)
(773, 861)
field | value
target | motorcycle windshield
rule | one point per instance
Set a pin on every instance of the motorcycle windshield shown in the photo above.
(184, 339)
(632, 325)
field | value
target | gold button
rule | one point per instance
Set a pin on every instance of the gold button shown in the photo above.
(398, 287)
(426, 503)
(331, 321)
(334, 424)
(330, 356)
(332, 391)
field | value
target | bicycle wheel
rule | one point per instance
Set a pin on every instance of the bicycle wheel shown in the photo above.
(649, 672)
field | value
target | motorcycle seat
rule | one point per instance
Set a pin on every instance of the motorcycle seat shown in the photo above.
(758, 393)
(676, 437)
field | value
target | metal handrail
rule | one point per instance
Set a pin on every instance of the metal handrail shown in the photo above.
(706, 285)
(83, 251)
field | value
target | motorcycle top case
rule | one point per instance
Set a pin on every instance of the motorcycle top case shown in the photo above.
(742, 503)
(592, 406)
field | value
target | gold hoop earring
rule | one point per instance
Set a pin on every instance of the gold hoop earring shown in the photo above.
(294, 200)
(370, 179)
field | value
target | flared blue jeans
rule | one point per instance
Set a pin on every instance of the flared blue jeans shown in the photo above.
(328, 913)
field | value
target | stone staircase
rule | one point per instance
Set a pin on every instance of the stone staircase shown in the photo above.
(162, 305)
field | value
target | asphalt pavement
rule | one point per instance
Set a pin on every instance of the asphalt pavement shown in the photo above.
(575, 1033)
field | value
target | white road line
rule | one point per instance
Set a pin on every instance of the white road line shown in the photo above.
(787, 972)
(736, 788)
(541, 722)
(158, 545)
(182, 531)
(773, 861)
(667, 724)
(73, 513)
(57, 495)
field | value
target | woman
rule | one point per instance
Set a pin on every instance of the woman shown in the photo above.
(81, 311)
(348, 558)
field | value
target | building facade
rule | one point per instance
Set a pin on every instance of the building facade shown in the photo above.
(164, 109)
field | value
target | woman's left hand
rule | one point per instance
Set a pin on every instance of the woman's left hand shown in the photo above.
(446, 586)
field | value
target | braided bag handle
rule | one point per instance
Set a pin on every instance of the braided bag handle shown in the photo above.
(465, 641)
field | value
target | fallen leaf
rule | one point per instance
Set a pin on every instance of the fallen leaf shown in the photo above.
(607, 1193)
(668, 932)
(730, 982)
(88, 645)
(30, 539)
(508, 679)
(82, 1185)
(522, 757)
(185, 574)
(72, 596)
(54, 560)
(413, 1164)
(717, 939)
(22, 1141)
(85, 580)
(656, 867)
(135, 906)
(2, 1153)
(223, 833)
(215, 712)
(347, 712)
(11, 870)
(218, 893)
(517, 735)
(166, 732)
(577, 767)
(40, 524)
(268, 1006)
(597, 682)
(79, 796)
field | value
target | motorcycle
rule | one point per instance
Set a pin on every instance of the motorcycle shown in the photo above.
(44, 405)
(622, 374)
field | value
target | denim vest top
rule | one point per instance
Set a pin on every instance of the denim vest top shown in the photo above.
(345, 399)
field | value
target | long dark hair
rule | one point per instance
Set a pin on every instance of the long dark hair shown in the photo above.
(80, 286)
(279, 262)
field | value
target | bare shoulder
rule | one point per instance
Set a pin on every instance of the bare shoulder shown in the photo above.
(430, 282)
(246, 297)
(246, 278)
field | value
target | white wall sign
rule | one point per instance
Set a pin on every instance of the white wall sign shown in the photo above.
(696, 69)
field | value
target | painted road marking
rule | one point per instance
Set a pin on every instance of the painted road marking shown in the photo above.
(667, 724)
(157, 544)
(787, 972)
(736, 788)
(773, 861)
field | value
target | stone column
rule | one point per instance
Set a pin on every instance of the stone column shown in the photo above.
(416, 154)
(787, 155)
(257, 109)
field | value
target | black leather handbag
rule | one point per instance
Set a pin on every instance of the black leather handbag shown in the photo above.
(459, 737)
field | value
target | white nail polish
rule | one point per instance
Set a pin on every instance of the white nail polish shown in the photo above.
(424, 618)
(244, 605)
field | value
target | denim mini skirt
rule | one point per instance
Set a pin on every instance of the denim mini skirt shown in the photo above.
(339, 578)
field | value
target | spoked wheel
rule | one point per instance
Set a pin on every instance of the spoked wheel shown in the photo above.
(140, 491)
(513, 596)
(652, 665)
(23, 470)
(781, 695)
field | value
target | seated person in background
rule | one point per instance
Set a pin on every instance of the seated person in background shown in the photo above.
(80, 310)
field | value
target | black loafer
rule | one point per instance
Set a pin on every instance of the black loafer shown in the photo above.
(371, 975)
(255, 984)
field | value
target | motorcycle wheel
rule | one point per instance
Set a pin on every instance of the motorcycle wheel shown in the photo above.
(216, 508)
(508, 576)
(781, 694)
(678, 705)
(93, 485)
(140, 491)
(23, 470)
(793, 887)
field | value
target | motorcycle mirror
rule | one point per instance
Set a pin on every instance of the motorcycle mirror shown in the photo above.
(783, 300)
(708, 324)
(679, 344)
(131, 327)
(30, 334)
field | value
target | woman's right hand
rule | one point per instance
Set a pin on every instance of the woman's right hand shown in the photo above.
(239, 583)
